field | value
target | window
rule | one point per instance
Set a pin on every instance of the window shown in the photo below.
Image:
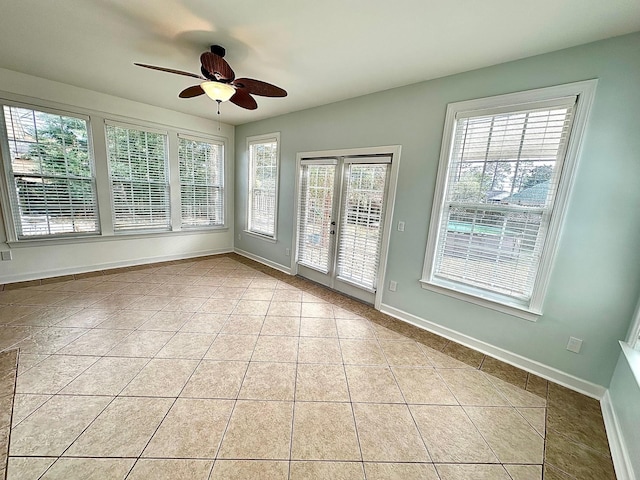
(633, 338)
(139, 179)
(502, 183)
(201, 182)
(263, 185)
(50, 174)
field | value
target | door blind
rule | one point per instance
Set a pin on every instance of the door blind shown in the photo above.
(139, 183)
(314, 215)
(362, 223)
(51, 173)
(502, 179)
(201, 182)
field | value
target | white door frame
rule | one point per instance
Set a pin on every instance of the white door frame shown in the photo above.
(394, 151)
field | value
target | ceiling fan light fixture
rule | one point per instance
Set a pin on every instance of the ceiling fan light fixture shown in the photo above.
(220, 92)
(218, 81)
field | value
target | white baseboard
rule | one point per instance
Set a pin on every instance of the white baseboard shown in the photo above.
(574, 383)
(109, 265)
(617, 445)
(264, 261)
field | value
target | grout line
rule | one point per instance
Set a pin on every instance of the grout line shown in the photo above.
(295, 388)
(9, 426)
(485, 439)
(546, 427)
(415, 423)
(353, 413)
(228, 268)
(102, 411)
(168, 410)
(233, 408)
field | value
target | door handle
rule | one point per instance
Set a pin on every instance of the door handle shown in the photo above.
(333, 223)
(332, 232)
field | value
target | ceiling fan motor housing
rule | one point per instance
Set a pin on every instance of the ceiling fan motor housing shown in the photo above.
(218, 50)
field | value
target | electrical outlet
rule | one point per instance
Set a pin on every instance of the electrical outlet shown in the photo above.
(401, 226)
(393, 285)
(7, 255)
(574, 345)
(287, 252)
(239, 236)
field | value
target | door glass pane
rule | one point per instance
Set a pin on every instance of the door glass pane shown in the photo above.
(316, 204)
(361, 227)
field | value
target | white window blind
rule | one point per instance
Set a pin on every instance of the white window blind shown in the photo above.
(263, 185)
(503, 173)
(139, 180)
(50, 174)
(201, 182)
(361, 226)
(315, 210)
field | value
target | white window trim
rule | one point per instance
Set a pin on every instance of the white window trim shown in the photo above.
(261, 236)
(169, 172)
(250, 141)
(633, 338)
(585, 91)
(631, 346)
(225, 214)
(97, 137)
(394, 152)
(11, 230)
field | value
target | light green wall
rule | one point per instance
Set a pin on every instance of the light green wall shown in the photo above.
(596, 279)
(624, 393)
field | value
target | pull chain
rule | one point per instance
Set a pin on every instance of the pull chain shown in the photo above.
(218, 117)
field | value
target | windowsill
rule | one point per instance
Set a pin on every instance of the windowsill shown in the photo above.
(633, 359)
(43, 242)
(261, 236)
(490, 303)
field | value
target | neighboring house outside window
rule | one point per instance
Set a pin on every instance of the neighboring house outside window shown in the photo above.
(139, 178)
(503, 182)
(201, 182)
(50, 173)
(263, 184)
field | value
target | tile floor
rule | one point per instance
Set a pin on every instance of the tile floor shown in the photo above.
(221, 368)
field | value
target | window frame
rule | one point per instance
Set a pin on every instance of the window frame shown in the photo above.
(585, 92)
(223, 176)
(8, 194)
(97, 141)
(633, 338)
(167, 161)
(256, 140)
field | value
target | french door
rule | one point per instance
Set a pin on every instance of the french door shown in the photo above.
(341, 212)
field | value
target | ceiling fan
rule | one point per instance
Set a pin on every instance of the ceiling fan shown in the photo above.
(220, 82)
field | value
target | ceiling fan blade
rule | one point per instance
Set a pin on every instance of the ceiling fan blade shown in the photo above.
(258, 87)
(171, 70)
(191, 92)
(217, 66)
(243, 99)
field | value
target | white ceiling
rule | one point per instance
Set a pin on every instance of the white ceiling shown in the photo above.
(320, 52)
